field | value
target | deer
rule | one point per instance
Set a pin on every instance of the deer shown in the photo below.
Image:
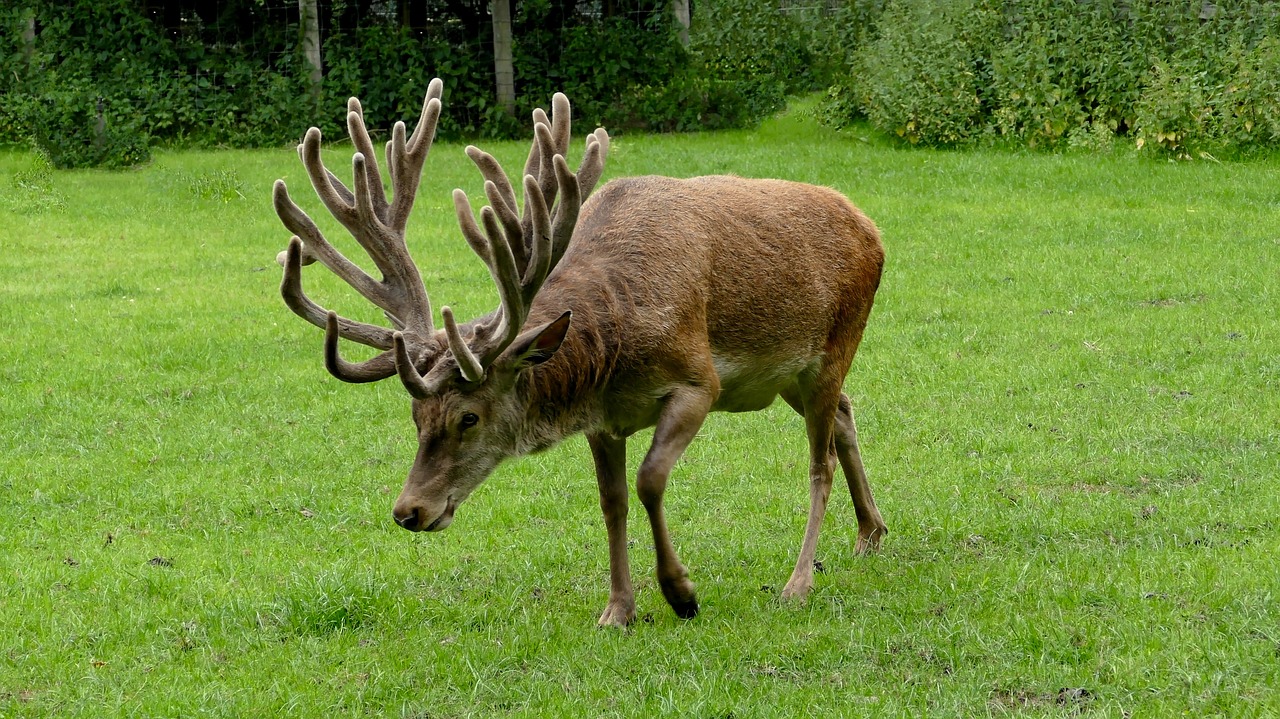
(647, 303)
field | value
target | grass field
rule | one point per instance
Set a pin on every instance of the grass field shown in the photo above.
(1067, 396)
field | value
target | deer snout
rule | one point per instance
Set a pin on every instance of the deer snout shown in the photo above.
(418, 516)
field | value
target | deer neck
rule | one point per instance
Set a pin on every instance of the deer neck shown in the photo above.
(563, 396)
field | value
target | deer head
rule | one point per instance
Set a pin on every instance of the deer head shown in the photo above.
(461, 377)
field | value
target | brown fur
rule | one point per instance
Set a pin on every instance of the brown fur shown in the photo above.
(665, 276)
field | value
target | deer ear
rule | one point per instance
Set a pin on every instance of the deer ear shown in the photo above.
(538, 345)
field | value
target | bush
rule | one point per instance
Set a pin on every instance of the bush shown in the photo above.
(752, 40)
(1251, 100)
(1175, 110)
(389, 68)
(78, 128)
(1183, 78)
(919, 78)
(694, 101)
(614, 68)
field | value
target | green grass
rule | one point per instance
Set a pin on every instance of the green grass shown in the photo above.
(1067, 398)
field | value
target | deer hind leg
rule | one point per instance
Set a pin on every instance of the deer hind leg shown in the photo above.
(818, 406)
(871, 526)
(610, 456)
(681, 417)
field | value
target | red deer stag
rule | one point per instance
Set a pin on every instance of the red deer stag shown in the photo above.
(653, 303)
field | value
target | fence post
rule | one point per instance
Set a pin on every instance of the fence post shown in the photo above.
(309, 18)
(29, 36)
(681, 8)
(503, 69)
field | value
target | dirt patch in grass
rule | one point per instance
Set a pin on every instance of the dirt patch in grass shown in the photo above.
(1073, 699)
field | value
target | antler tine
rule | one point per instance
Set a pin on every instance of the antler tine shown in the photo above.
(593, 159)
(326, 184)
(426, 129)
(561, 121)
(408, 156)
(344, 205)
(377, 368)
(304, 307)
(521, 252)
(503, 200)
(493, 172)
(566, 217)
(301, 225)
(360, 139)
(494, 247)
(503, 270)
(378, 225)
(468, 365)
(534, 160)
(540, 260)
(372, 370)
(544, 147)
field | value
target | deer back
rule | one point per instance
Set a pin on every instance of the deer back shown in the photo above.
(666, 278)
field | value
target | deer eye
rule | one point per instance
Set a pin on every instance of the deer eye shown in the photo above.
(469, 420)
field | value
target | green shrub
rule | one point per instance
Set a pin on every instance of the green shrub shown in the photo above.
(1250, 103)
(1229, 100)
(1183, 78)
(78, 128)
(1175, 113)
(235, 78)
(919, 78)
(616, 67)
(694, 101)
(752, 40)
(389, 68)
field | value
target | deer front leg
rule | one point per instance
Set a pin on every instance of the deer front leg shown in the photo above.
(678, 423)
(610, 454)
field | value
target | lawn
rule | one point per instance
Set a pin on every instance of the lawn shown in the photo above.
(1067, 398)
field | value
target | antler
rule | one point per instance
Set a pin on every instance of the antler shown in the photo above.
(378, 224)
(522, 249)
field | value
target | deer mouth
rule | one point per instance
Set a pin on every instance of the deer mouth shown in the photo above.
(445, 518)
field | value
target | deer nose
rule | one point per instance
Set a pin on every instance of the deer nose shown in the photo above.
(411, 521)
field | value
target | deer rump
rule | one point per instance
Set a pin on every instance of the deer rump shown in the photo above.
(746, 283)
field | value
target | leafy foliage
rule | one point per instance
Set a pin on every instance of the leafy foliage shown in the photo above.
(752, 40)
(77, 128)
(918, 79)
(604, 66)
(1182, 78)
(101, 81)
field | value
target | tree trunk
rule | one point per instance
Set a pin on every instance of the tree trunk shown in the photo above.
(681, 8)
(504, 71)
(309, 15)
(413, 14)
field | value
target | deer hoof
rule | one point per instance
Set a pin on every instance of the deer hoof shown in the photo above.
(797, 590)
(681, 597)
(686, 610)
(618, 614)
(869, 542)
